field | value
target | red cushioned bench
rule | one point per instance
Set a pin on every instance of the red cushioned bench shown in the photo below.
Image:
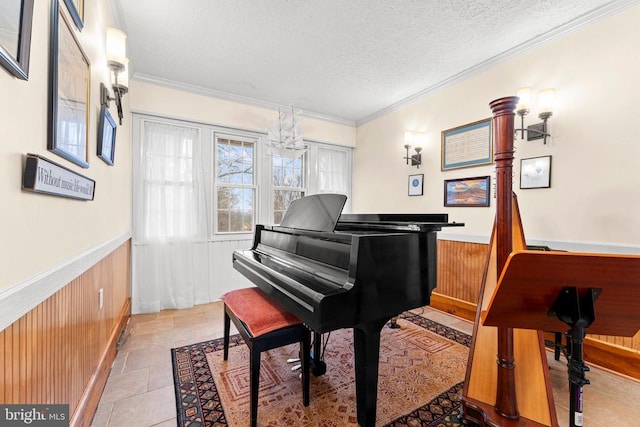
(264, 325)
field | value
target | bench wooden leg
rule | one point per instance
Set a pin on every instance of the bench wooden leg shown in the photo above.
(305, 349)
(254, 384)
(227, 326)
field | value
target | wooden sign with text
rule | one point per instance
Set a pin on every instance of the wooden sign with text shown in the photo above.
(44, 176)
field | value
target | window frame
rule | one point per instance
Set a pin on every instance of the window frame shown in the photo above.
(273, 188)
(256, 140)
(313, 186)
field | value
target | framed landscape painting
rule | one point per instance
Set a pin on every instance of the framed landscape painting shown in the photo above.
(467, 191)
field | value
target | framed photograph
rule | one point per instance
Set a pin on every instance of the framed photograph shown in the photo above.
(467, 145)
(15, 36)
(106, 136)
(76, 10)
(69, 82)
(535, 172)
(467, 191)
(415, 184)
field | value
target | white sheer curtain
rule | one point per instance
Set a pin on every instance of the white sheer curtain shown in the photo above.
(332, 171)
(170, 249)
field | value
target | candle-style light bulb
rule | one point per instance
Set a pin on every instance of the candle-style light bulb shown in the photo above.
(546, 100)
(524, 102)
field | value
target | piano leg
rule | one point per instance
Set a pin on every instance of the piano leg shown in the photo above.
(318, 365)
(366, 345)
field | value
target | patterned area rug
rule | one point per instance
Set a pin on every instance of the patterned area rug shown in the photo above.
(422, 366)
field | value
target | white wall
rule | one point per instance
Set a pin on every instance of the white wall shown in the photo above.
(164, 101)
(158, 99)
(39, 233)
(594, 197)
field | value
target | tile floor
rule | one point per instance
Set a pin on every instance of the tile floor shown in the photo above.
(139, 391)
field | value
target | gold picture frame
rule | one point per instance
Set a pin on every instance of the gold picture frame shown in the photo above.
(467, 145)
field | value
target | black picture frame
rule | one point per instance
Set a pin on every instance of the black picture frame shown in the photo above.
(106, 136)
(467, 192)
(69, 90)
(416, 184)
(535, 172)
(76, 10)
(18, 63)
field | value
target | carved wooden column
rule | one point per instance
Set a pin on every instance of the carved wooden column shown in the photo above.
(503, 117)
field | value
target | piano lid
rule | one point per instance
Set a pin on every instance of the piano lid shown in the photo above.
(319, 212)
(399, 222)
(395, 218)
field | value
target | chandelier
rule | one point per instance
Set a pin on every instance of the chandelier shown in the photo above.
(283, 135)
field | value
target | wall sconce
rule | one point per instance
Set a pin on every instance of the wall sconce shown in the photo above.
(545, 106)
(119, 69)
(415, 138)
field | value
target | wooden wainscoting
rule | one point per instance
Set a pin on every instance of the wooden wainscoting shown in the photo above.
(460, 269)
(61, 351)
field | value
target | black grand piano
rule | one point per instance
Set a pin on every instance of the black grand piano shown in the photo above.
(346, 271)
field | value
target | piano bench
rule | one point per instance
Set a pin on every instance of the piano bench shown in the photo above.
(264, 325)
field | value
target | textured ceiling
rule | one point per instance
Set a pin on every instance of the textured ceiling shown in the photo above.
(342, 59)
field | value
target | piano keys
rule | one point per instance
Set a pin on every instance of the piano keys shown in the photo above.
(346, 271)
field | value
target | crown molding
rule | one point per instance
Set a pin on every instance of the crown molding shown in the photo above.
(118, 16)
(594, 16)
(559, 32)
(199, 90)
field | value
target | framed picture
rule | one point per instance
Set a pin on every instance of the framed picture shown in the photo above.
(467, 191)
(76, 10)
(69, 82)
(15, 36)
(467, 145)
(535, 172)
(106, 136)
(415, 184)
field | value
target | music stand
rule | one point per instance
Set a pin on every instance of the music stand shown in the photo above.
(550, 291)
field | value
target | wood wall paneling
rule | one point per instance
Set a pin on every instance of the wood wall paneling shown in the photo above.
(61, 351)
(460, 266)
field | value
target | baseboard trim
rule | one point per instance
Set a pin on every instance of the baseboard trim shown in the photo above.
(86, 409)
(614, 358)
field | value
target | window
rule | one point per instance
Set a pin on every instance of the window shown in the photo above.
(330, 167)
(171, 179)
(194, 181)
(332, 171)
(235, 184)
(287, 183)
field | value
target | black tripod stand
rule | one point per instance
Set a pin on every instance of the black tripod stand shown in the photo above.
(578, 312)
